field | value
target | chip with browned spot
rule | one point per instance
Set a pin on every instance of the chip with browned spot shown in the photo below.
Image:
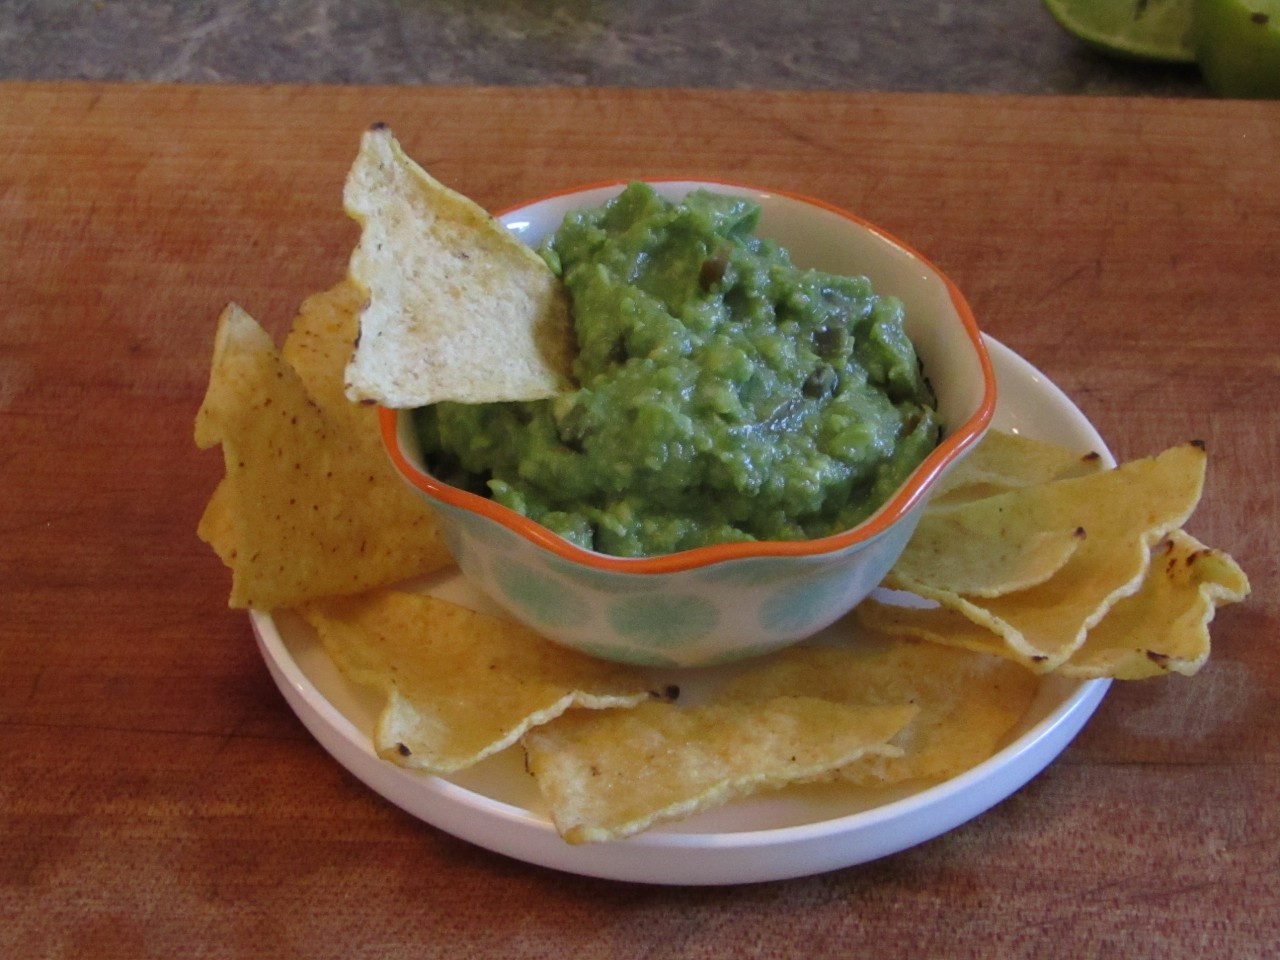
(458, 308)
(1164, 627)
(1121, 514)
(460, 685)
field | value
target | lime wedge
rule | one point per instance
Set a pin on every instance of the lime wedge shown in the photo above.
(1142, 29)
(1238, 46)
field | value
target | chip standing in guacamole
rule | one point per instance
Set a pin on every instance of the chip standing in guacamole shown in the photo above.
(724, 394)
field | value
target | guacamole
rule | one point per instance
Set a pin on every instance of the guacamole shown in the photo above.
(724, 394)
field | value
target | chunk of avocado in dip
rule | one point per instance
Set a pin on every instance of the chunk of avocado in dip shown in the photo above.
(724, 393)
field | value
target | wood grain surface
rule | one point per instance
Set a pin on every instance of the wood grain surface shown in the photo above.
(159, 799)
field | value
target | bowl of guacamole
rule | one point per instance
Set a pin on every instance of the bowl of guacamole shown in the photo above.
(766, 388)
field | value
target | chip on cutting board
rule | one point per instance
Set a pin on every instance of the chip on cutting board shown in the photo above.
(460, 685)
(458, 308)
(617, 773)
(309, 506)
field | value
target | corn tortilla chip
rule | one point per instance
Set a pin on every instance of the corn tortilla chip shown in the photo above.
(1005, 461)
(956, 551)
(321, 338)
(308, 507)
(458, 308)
(967, 702)
(1123, 513)
(950, 554)
(619, 772)
(460, 685)
(936, 624)
(319, 346)
(1164, 627)
(217, 523)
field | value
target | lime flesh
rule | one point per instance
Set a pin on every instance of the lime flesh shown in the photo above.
(1238, 46)
(1142, 29)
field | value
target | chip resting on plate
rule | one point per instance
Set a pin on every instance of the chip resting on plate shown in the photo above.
(309, 505)
(967, 702)
(460, 685)
(1006, 461)
(936, 624)
(1117, 514)
(1164, 627)
(964, 552)
(961, 551)
(616, 773)
(1157, 622)
(458, 308)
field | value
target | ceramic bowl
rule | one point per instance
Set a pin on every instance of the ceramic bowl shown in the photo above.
(729, 601)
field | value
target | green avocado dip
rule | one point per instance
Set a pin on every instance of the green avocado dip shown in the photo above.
(724, 393)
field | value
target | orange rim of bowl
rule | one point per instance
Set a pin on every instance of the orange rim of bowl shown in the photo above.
(889, 512)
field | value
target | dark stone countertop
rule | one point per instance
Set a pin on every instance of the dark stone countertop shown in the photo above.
(966, 46)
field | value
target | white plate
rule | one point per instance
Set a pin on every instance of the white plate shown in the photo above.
(795, 832)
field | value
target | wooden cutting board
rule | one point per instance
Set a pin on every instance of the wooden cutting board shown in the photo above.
(1056, 216)
(157, 798)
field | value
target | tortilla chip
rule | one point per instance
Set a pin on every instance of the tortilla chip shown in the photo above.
(217, 523)
(319, 346)
(960, 552)
(1164, 627)
(1008, 461)
(308, 507)
(459, 309)
(949, 553)
(617, 773)
(935, 624)
(967, 702)
(460, 685)
(1123, 512)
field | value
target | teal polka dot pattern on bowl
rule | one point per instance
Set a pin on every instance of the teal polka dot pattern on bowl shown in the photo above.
(661, 622)
(803, 605)
(542, 598)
